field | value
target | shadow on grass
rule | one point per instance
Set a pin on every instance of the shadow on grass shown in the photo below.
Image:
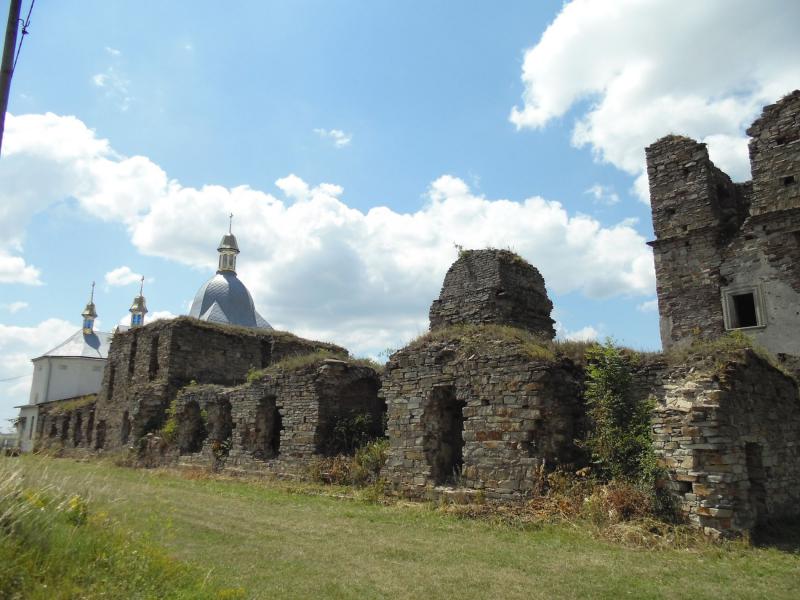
(781, 534)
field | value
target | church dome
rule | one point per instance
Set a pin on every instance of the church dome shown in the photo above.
(225, 299)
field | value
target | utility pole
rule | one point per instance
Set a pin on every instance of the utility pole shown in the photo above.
(8, 61)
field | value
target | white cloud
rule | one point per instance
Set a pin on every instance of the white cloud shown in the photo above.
(648, 306)
(112, 51)
(18, 345)
(636, 70)
(339, 138)
(15, 307)
(584, 334)
(14, 270)
(116, 87)
(603, 194)
(313, 264)
(122, 276)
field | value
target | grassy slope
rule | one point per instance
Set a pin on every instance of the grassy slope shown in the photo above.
(278, 544)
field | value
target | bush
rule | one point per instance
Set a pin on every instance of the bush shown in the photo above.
(620, 439)
(360, 469)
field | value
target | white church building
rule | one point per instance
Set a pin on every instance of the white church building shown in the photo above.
(72, 369)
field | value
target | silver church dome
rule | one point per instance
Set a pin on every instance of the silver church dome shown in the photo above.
(225, 299)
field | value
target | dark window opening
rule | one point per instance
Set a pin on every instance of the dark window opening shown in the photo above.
(191, 428)
(100, 438)
(152, 369)
(125, 431)
(64, 428)
(265, 438)
(744, 311)
(757, 495)
(444, 435)
(89, 428)
(132, 355)
(77, 432)
(53, 430)
(788, 180)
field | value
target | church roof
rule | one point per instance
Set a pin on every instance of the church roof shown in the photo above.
(81, 345)
(225, 299)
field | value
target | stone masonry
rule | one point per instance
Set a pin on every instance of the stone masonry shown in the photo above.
(478, 412)
(281, 421)
(475, 405)
(729, 436)
(727, 255)
(493, 286)
(148, 365)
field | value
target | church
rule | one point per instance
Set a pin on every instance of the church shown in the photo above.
(74, 369)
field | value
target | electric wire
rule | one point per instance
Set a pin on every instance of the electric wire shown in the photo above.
(25, 24)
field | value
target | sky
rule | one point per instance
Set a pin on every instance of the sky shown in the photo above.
(357, 144)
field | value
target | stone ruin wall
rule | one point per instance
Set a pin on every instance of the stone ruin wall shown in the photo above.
(66, 423)
(279, 423)
(729, 437)
(715, 237)
(485, 423)
(148, 365)
(493, 286)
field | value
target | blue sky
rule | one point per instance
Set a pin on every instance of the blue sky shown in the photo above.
(356, 142)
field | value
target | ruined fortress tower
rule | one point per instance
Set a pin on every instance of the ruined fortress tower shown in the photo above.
(727, 254)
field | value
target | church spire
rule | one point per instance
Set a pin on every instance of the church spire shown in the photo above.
(138, 308)
(228, 249)
(89, 314)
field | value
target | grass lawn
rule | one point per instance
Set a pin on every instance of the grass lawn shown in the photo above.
(278, 543)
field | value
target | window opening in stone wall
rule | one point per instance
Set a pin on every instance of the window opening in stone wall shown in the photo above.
(100, 438)
(352, 417)
(757, 494)
(191, 428)
(152, 370)
(64, 428)
(89, 428)
(266, 353)
(265, 439)
(125, 430)
(742, 308)
(132, 356)
(53, 430)
(30, 432)
(77, 431)
(220, 421)
(443, 440)
(788, 180)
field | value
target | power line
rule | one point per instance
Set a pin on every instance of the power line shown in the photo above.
(25, 24)
(12, 378)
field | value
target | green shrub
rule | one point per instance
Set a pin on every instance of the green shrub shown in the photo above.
(620, 439)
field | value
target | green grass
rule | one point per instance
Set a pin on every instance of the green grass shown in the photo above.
(277, 543)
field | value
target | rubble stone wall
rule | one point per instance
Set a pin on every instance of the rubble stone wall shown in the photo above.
(716, 239)
(299, 406)
(516, 414)
(148, 365)
(730, 442)
(493, 286)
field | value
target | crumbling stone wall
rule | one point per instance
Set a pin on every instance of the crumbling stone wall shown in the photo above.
(728, 436)
(279, 423)
(148, 365)
(66, 423)
(483, 416)
(718, 241)
(493, 286)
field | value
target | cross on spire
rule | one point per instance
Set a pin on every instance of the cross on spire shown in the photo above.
(230, 223)
(141, 285)
(91, 295)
